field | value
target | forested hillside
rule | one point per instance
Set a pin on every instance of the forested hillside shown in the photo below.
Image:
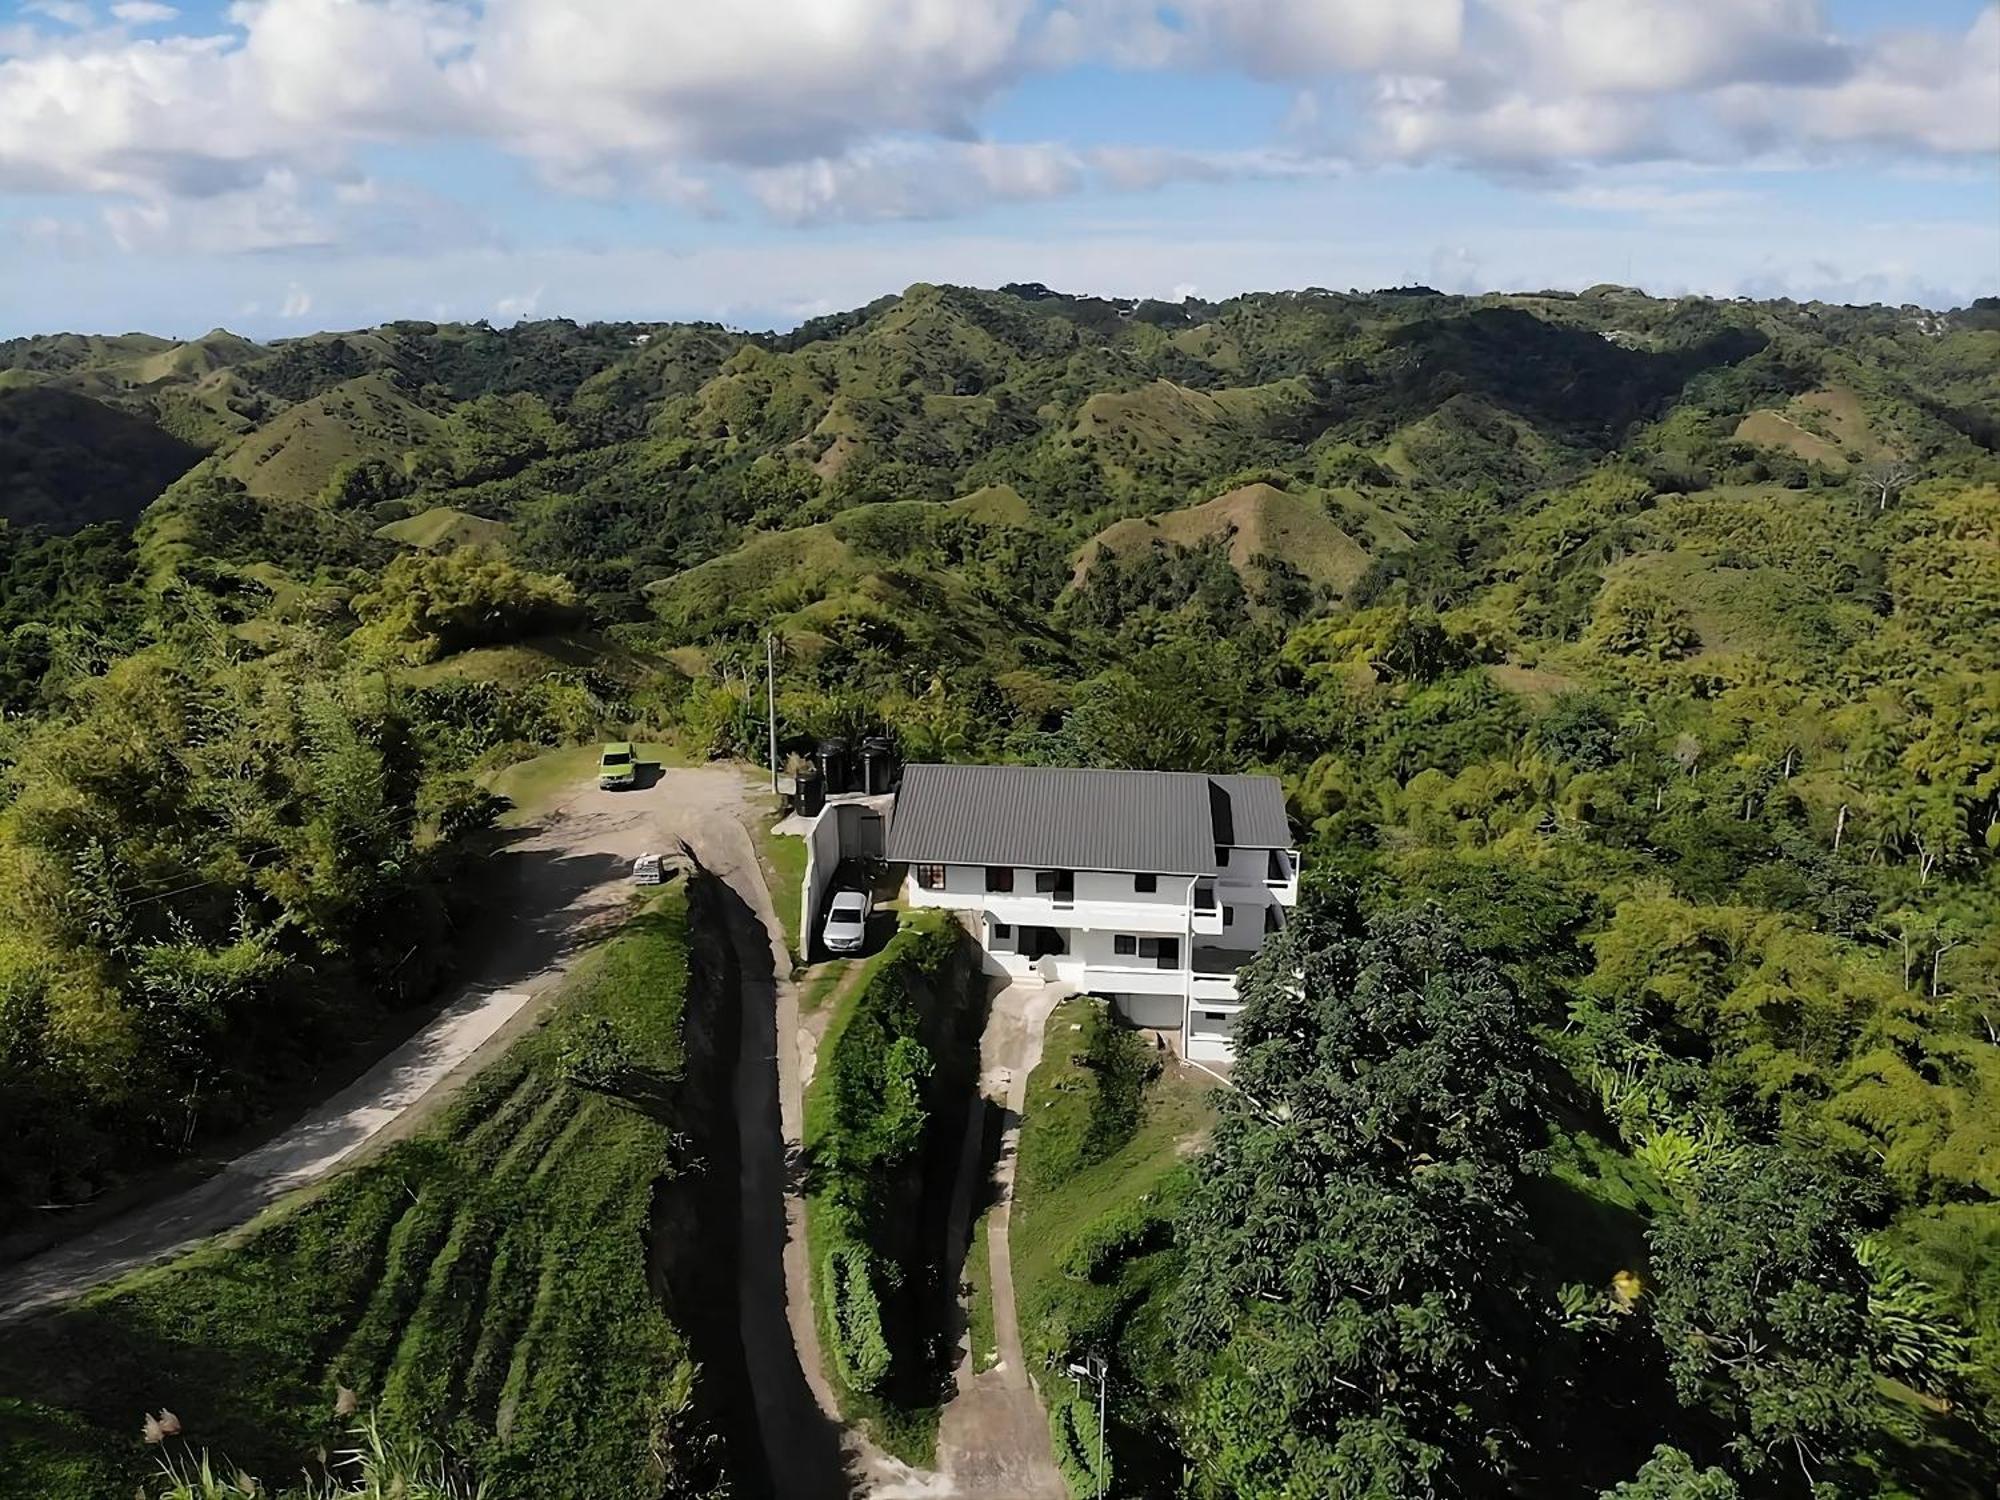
(1632, 666)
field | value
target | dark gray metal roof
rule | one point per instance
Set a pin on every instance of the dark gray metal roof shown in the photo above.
(1062, 818)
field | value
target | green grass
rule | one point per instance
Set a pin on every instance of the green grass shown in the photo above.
(1090, 1175)
(1052, 1206)
(980, 1338)
(468, 1284)
(784, 859)
(825, 979)
(540, 782)
(443, 527)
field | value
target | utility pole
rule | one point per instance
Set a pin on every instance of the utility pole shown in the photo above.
(771, 703)
(1096, 1367)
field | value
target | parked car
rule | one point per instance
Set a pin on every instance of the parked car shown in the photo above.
(617, 766)
(649, 869)
(846, 922)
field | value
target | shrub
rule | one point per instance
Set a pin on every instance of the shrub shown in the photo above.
(1125, 1234)
(860, 1350)
(1073, 1425)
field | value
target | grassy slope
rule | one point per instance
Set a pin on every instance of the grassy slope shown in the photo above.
(783, 856)
(292, 456)
(468, 1282)
(1049, 1209)
(1256, 518)
(442, 527)
(1141, 1173)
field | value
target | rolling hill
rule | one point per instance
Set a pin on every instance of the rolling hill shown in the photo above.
(1259, 520)
(291, 457)
(67, 461)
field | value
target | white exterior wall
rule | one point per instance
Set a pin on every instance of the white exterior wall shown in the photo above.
(1202, 1008)
(822, 859)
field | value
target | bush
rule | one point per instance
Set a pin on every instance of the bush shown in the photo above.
(1073, 1425)
(1101, 1109)
(860, 1350)
(1125, 1234)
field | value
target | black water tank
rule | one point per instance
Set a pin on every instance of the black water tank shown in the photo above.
(833, 769)
(878, 764)
(809, 795)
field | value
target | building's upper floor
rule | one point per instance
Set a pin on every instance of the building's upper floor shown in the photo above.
(1146, 851)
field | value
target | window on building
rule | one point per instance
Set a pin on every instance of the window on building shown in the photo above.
(1145, 885)
(931, 877)
(1275, 872)
(1124, 944)
(999, 877)
(1221, 858)
(1228, 916)
(1165, 952)
(1002, 930)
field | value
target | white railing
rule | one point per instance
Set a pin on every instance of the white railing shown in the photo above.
(1147, 917)
(1213, 989)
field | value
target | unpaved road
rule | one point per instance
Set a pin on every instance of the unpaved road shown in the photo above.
(993, 1437)
(568, 882)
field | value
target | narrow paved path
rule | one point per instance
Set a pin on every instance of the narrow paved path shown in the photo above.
(993, 1439)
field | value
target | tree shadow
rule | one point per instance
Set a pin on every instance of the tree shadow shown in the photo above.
(799, 1452)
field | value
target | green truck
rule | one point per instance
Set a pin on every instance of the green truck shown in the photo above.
(617, 766)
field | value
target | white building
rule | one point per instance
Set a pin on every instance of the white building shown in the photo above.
(1151, 888)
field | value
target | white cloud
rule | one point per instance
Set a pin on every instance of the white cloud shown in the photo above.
(1663, 46)
(1914, 89)
(1656, 202)
(827, 110)
(904, 180)
(298, 302)
(518, 305)
(72, 13)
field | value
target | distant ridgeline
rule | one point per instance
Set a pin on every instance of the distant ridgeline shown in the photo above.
(1632, 666)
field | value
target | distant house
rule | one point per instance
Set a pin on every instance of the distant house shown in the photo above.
(1151, 888)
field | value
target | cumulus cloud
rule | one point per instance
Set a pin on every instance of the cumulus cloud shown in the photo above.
(871, 109)
(914, 181)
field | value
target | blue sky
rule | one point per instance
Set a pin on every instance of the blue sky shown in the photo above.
(281, 165)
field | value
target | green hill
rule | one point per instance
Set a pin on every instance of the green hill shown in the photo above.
(1628, 665)
(1255, 521)
(291, 457)
(442, 528)
(67, 461)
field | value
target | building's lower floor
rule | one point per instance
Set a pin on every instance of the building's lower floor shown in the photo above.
(1156, 982)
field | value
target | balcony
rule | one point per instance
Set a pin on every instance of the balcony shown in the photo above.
(1030, 910)
(1207, 909)
(1213, 989)
(1276, 871)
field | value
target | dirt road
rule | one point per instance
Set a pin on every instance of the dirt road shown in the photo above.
(993, 1437)
(567, 881)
